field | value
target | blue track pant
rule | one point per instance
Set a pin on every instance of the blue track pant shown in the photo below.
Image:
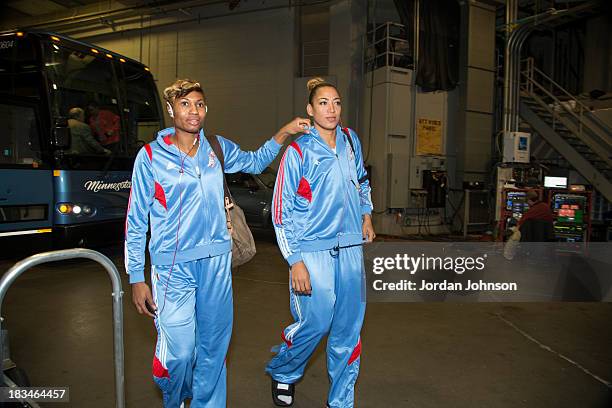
(194, 326)
(335, 308)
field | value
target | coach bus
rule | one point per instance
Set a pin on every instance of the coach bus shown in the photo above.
(73, 117)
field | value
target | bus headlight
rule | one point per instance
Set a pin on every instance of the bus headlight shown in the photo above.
(76, 209)
(64, 208)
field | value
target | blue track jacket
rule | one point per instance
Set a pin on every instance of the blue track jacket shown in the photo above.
(186, 208)
(318, 200)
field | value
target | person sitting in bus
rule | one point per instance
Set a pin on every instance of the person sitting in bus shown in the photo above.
(177, 187)
(104, 124)
(82, 141)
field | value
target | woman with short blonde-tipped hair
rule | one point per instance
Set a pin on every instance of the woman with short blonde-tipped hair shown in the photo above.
(321, 216)
(177, 189)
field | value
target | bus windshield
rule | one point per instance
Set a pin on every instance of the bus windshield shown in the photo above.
(111, 106)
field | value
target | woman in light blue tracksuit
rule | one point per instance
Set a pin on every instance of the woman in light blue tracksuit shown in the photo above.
(321, 215)
(177, 189)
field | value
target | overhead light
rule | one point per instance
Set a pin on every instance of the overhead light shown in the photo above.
(54, 38)
(122, 59)
(95, 51)
(147, 69)
(109, 56)
(55, 46)
(19, 34)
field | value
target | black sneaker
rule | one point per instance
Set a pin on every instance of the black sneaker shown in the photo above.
(282, 394)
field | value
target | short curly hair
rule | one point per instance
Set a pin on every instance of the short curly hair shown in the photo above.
(180, 88)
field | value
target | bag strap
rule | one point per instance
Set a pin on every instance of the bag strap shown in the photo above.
(228, 202)
(216, 147)
(349, 138)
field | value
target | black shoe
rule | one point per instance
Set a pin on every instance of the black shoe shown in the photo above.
(282, 394)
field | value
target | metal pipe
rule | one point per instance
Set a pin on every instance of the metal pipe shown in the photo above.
(200, 18)
(510, 82)
(516, 42)
(97, 14)
(415, 70)
(511, 8)
(416, 36)
(517, 46)
(20, 267)
(516, 103)
(131, 15)
(514, 74)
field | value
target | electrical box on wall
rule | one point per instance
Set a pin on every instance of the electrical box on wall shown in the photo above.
(419, 164)
(516, 147)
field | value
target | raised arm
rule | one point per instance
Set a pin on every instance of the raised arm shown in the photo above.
(255, 162)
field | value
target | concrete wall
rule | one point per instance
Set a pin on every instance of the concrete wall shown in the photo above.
(598, 54)
(477, 76)
(347, 19)
(385, 10)
(245, 64)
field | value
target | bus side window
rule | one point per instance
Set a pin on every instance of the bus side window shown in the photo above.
(19, 140)
(87, 82)
(142, 103)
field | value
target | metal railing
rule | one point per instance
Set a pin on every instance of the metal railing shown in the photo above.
(517, 31)
(537, 84)
(20, 267)
(388, 45)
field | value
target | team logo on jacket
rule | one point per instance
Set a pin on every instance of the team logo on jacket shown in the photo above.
(211, 159)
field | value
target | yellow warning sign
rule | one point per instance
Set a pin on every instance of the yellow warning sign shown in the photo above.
(429, 136)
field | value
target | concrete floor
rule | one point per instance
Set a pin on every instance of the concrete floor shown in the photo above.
(414, 355)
